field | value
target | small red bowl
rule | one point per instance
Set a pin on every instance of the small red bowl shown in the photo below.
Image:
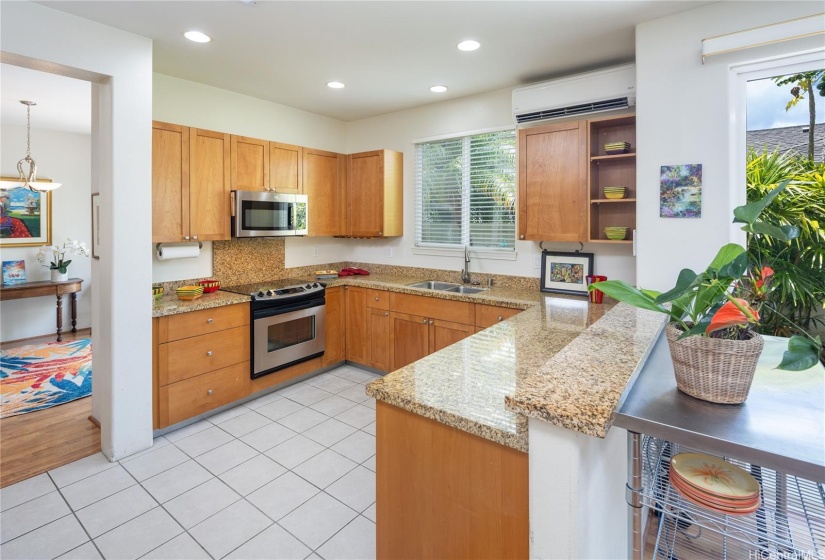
(210, 285)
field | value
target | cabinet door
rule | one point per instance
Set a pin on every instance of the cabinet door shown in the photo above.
(489, 315)
(209, 185)
(170, 182)
(553, 182)
(335, 350)
(356, 324)
(409, 339)
(365, 194)
(250, 163)
(378, 337)
(285, 163)
(444, 333)
(324, 178)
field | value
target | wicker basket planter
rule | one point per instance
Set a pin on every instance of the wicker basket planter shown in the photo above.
(713, 369)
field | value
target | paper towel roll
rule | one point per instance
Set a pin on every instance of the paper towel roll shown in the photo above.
(188, 251)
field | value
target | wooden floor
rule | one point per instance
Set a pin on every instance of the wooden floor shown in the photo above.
(36, 442)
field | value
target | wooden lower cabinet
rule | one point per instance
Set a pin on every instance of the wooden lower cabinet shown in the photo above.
(378, 337)
(200, 361)
(444, 493)
(409, 339)
(199, 394)
(336, 343)
(444, 333)
(356, 303)
(489, 315)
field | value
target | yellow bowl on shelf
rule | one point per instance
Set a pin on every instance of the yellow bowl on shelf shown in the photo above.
(615, 233)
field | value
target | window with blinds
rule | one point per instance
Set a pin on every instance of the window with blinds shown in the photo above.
(466, 191)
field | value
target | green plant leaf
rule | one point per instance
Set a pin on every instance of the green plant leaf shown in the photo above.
(748, 213)
(626, 293)
(782, 233)
(726, 255)
(684, 282)
(698, 328)
(736, 268)
(802, 353)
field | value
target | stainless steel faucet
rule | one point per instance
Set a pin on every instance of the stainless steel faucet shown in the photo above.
(465, 274)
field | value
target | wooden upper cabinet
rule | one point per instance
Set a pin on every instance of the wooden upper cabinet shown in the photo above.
(250, 164)
(375, 194)
(324, 181)
(209, 168)
(170, 182)
(286, 168)
(552, 182)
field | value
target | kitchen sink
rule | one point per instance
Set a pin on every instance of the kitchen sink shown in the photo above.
(464, 290)
(446, 287)
(433, 285)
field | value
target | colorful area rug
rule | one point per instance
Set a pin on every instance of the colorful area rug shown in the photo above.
(44, 375)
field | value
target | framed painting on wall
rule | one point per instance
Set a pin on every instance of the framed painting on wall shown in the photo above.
(565, 273)
(25, 217)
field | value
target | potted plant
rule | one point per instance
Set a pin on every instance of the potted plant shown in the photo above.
(59, 265)
(712, 313)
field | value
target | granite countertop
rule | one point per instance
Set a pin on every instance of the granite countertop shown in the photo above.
(563, 360)
(169, 304)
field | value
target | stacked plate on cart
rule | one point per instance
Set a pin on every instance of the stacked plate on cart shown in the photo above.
(714, 484)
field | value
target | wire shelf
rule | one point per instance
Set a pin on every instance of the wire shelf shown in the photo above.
(790, 524)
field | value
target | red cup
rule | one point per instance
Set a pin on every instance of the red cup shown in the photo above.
(595, 295)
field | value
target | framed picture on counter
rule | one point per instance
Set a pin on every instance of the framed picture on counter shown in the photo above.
(565, 273)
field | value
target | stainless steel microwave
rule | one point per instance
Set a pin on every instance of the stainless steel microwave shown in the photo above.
(268, 214)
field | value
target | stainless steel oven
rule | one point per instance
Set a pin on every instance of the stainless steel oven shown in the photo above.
(288, 325)
(268, 214)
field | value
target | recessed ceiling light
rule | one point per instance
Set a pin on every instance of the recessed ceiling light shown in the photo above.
(197, 36)
(335, 85)
(438, 89)
(468, 45)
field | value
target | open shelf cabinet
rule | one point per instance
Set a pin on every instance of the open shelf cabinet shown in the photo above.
(611, 170)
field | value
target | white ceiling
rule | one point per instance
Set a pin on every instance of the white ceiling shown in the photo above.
(387, 53)
(63, 104)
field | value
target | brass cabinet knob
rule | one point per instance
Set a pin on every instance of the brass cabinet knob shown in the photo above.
(209, 353)
(500, 318)
(521, 236)
(386, 313)
(376, 298)
(431, 322)
(209, 320)
(210, 392)
(194, 237)
(424, 322)
(186, 237)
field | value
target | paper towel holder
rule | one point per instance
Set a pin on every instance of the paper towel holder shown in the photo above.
(159, 249)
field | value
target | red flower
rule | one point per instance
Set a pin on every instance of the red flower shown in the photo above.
(730, 315)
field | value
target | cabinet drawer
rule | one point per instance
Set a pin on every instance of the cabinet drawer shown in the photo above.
(378, 299)
(197, 395)
(194, 323)
(489, 315)
(187, 358)
(434, 308)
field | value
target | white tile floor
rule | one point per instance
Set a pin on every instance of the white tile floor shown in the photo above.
(289, 475)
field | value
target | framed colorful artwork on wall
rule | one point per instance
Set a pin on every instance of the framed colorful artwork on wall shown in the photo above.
(25, 217)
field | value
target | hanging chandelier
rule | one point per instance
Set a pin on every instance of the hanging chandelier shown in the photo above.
(29, 180)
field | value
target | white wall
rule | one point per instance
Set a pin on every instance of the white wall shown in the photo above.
(397, 131)
(683, 116)
(65, 158)
(120, 65)
(197, 105)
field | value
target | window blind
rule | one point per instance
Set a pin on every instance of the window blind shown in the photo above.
(466, 191)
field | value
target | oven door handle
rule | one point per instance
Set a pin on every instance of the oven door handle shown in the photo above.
(280, 310)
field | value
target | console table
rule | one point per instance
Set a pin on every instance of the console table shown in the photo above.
(46, 288)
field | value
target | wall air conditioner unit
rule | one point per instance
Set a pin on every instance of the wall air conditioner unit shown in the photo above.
(592, 92)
